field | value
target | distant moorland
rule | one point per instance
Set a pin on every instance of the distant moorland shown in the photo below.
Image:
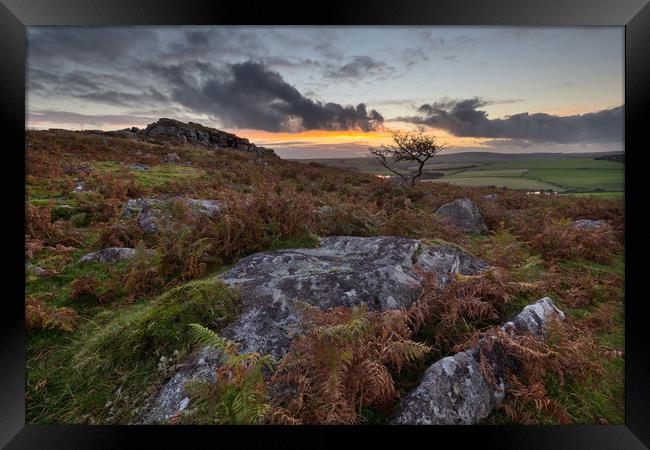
(600, 174)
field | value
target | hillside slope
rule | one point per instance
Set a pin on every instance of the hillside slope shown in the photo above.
(170, 223)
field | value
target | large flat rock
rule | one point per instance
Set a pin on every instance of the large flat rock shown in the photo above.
(381, 272)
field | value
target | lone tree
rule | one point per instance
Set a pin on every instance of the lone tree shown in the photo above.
(407, 146)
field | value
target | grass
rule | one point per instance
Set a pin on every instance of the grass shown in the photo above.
(166, 173)
(582, 174)
(554, 164)
(509, 182)
(157, 175)
(558, 175)
(487, 173)
(605, 179)
(107, 368)
(57, 287)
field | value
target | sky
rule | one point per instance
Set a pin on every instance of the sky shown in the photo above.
(331, 92)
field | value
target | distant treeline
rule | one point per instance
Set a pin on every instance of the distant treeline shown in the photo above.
(619, 157)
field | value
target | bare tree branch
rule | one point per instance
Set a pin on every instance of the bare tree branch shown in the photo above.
(408, 146)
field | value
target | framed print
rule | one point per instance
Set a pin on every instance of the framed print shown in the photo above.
(387, 219)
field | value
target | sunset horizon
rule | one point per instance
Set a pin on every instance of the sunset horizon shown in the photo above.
(327, 92)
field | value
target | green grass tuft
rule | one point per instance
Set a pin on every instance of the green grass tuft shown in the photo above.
(110, 366)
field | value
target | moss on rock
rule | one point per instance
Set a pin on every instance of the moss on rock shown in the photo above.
(161, 326)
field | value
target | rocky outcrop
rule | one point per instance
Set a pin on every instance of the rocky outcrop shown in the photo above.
(453, 391)
(170, 131)
(343, 271)
(152, 213)
(109, 255)
(381, 272)
(463, 214)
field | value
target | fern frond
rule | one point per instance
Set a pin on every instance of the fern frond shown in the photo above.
(205, 337)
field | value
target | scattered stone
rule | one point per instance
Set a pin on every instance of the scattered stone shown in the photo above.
(154, 212)
(326, 210)
(109, 255)
(80, 186)
(588, 224)
(171, 158)
(533, 318)
(380, 272)
(491, 197)
(139, 167)
(463, 214)
(453, 391)
(31, 269)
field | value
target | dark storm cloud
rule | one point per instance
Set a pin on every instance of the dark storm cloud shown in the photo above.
(82, 45)
(464, 118)
(113, 67)
(99, 88)
(50, 116)
(149, 96)
(248, 95)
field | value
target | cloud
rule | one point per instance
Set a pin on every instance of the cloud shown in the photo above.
(464, 118)
(110, 46)
(359, 67)
(431, 46)
(44, 118)
(507, 143)
(248, 95)
(102, 88)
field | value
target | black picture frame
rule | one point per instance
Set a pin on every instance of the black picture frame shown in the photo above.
(15, 15)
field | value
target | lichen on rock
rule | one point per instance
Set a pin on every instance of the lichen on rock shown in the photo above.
(381, 272)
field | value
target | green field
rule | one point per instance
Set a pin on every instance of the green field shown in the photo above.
(581, 163)
(580, 175)
(500, 182)
(487, 173)
(570, 173)
(606, 179)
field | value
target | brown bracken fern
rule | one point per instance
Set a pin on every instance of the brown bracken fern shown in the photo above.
(341, 365)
